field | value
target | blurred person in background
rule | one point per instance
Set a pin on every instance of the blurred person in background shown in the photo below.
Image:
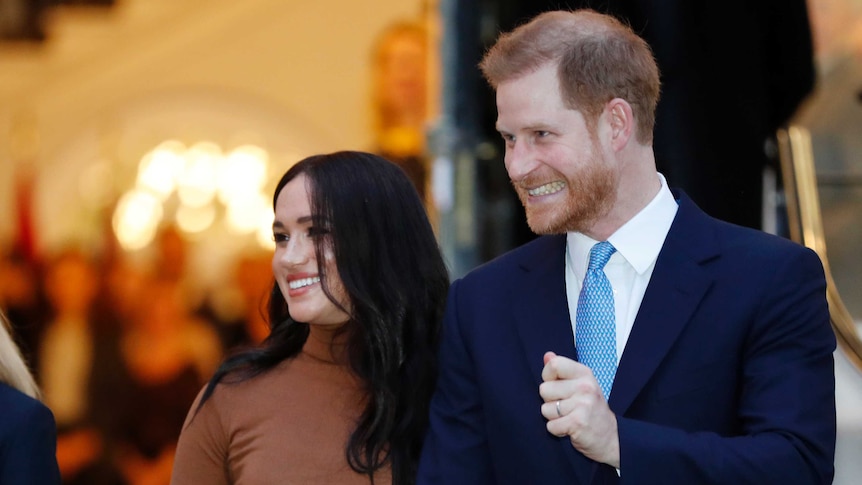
(66, 348)
(399, 99)
(22, 298)
(241, 308)
(172, 263)
(165, 355)
(72, 351)
(338, 393)
(28, 434)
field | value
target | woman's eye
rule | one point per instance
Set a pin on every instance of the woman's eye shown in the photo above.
(279, 238)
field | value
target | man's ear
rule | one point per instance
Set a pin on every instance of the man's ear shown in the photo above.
(622, 123)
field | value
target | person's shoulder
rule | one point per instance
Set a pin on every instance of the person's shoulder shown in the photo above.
(28, 439)
(239, 397)
(13, 399)
(731, 238)
(495, 286)
(236, 388)
(531, 253)
(747, 240)
(19, 410)
(732, 249)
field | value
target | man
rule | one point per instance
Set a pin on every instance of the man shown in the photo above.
(720, 345)
(732, 73)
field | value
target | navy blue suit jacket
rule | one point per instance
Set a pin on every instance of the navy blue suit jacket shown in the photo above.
(28, 440)
(727, 376)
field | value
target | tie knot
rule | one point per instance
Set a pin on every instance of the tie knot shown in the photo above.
(600, 254)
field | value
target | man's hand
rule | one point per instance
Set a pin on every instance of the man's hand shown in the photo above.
(575, 407)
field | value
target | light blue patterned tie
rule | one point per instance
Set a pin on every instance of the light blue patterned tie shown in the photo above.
(595, 323)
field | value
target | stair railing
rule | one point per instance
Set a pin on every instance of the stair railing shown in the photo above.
(805, 224)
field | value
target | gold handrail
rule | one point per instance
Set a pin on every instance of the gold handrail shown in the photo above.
(805, 222)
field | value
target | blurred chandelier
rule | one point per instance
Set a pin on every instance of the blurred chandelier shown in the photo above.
(200, 186)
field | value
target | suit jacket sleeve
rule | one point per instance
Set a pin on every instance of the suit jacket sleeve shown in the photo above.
(29, 445)
(786, 402)
(455, 448)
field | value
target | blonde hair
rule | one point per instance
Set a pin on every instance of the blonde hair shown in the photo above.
(13, 369)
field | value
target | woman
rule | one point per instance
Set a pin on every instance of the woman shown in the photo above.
(28, 435)
(339, 391)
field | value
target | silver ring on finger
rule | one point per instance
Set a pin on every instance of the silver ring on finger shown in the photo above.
(559, 411)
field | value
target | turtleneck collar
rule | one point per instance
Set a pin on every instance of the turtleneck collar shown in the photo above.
(326, 343)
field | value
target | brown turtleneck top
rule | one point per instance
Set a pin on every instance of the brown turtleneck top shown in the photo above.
(289, 425)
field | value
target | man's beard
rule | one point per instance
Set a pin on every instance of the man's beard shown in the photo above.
(591, 194)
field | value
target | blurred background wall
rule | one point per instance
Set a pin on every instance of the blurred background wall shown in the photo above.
(79, 109)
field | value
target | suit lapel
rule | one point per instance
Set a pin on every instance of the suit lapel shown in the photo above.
(541, 311)
(677, 285)
(541, 314)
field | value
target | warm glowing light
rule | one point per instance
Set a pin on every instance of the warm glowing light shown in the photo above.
(243, 213)
(197, 183)
(159, 169)
(242, 171)
(95, 185)
(264, 230)
(195, 219)
(197, 174)
(136, 219)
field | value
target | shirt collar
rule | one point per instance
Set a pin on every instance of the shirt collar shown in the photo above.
(639, 240)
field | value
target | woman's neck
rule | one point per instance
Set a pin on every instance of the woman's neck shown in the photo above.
(327, 343)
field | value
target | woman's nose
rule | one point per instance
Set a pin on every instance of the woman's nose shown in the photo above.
(297, 251)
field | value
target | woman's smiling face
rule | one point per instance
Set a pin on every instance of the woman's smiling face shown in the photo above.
(295, 265)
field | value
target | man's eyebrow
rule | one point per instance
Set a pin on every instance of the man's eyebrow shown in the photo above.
(531, 127)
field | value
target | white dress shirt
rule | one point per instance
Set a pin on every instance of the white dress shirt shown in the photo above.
(638, 243)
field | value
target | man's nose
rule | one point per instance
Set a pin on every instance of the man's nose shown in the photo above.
(520, 160)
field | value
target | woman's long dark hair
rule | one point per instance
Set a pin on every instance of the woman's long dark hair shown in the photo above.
(392, 269)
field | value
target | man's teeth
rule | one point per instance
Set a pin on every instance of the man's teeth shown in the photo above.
(547, 188)
(295, 284)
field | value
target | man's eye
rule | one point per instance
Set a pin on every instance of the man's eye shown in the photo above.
(542, 134)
